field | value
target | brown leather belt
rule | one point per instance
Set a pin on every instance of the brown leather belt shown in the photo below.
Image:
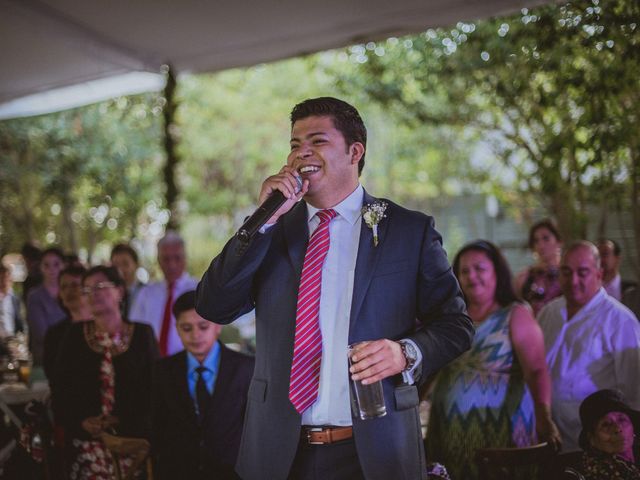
(325, 435)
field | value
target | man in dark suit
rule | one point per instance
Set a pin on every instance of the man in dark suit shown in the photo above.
(199, 399)
(338, 268)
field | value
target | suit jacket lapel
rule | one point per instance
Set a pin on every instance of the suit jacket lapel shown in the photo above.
(366, 262)
(296, 234)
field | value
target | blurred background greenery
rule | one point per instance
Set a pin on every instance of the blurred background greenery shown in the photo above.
(488, 125)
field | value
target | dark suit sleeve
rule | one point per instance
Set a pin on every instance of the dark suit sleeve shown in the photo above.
(225, 291)
(446, 330)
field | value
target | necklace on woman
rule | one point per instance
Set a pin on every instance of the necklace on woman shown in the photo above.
(119, 341)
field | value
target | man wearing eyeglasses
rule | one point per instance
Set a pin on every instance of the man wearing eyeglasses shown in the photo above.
(154, 302)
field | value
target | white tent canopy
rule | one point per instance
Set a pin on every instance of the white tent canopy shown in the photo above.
(50, 44)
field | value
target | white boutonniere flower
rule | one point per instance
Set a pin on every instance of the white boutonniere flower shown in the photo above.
(373, 213)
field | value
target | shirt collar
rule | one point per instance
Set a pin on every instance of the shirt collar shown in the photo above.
(350, 208)
(591, 304)
(614, 283)
(179, 280)
(210, 361)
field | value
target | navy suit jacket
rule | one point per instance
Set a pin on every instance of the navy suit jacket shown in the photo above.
(181, 448)
(403, 288)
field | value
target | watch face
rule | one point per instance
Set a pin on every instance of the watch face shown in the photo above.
(410, 354)
(409, 350)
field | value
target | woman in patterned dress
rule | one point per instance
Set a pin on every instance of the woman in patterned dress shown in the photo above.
(497, 394)
(103, 378)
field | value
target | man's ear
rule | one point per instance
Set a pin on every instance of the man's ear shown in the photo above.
(356, 149)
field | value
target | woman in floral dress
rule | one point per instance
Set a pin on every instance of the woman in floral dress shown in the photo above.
(103, 378)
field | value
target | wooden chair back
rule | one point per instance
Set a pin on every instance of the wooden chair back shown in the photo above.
(138, 448)
(504, 463)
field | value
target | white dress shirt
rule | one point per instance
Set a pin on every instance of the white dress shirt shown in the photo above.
(614, 287)
(148, 307)
(599, 347)
(333, 405)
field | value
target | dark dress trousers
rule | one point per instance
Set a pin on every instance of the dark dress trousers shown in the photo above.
(182, 448)
(403, 288)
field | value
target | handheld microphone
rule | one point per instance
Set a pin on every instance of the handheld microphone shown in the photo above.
(264, 213)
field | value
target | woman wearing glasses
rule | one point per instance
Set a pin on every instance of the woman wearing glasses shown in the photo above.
(103, 377)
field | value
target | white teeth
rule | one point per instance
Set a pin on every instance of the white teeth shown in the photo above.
(309, 168)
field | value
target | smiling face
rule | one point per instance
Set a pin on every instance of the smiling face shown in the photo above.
(613, 433)
(320, 154)
(104, 297)
(477, 277)
(197, 334)
(580, 277)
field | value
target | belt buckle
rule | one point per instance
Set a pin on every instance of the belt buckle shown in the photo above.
(314, 429)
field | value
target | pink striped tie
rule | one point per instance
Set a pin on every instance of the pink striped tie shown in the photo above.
(307, 346)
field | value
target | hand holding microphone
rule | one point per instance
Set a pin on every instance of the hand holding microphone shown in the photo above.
(278, 195)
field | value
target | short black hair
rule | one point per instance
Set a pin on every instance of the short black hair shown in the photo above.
(111, 273)
(345, 117)
(504, 293)
(30, 251)
(544, 223)
(617, 250)
(54, 251)
(73, 270)
(126, 249)
(185, 302)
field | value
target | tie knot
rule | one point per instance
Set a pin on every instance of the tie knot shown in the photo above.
(200, 370)
(326, 215)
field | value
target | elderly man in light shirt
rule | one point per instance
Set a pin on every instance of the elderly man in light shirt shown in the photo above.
(154, 303)
(592, 341)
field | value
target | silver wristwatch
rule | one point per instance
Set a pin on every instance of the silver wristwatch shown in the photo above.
(410, 354)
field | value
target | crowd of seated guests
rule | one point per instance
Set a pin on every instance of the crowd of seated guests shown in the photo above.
(104, 371)
(137, 360)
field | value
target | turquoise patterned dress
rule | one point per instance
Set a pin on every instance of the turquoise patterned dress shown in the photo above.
(480, 400)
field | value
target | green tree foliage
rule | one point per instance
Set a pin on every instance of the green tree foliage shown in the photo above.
(233, 130)
(553, 90)
(79, 177)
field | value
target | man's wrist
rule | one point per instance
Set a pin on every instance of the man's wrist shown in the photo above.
(410, 354)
